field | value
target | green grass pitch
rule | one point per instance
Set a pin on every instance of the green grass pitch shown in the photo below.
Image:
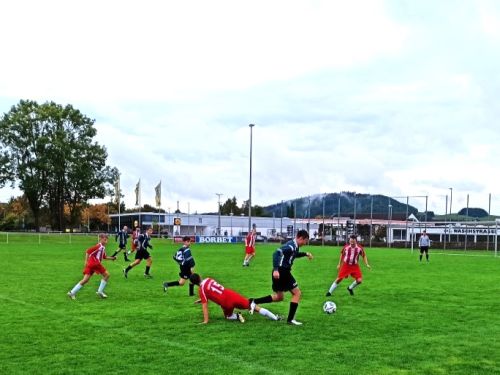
(406, 318)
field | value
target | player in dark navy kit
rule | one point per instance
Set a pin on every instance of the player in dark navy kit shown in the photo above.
(186, 263)
(122, 237)
(282, 278)
(142, 253)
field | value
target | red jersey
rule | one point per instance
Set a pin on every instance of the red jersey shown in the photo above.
(350, 254)
(96, 254)
(250, 240)
(213, 291)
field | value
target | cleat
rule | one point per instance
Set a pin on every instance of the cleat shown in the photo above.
(279, 317)
(125, 273)
(351, 292)
(252, 307)
(294, 322)
(165, 287)
(240, 317)
(328, 294)
(71, 296)
(148, 276)
(101, 294)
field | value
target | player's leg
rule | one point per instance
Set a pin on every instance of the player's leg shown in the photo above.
(102, 285)
(421, 253)
(268, 314)
(294, 304)
(79, 285)
(149, 262)
(132, 265)
(427, 254)
(358, 279)
(341, 276)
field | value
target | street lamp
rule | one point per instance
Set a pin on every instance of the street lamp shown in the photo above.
(250, 184)
(389, 236)
(218, 222)
(451, 198)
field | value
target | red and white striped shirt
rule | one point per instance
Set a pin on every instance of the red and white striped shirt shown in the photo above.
(96, 253)
(350, 254)
(250, 239)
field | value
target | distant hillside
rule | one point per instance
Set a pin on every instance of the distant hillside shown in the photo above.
(347, 202)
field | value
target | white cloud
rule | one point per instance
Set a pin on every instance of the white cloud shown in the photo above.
(395, 98)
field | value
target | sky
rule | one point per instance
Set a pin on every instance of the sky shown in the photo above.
(398, 97)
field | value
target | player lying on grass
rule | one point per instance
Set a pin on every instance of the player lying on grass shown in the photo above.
(93, 257)
(227, 299)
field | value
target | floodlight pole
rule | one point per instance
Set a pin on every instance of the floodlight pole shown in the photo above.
(218, 222)
(250, 183)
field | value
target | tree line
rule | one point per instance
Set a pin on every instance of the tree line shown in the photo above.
(48, 151)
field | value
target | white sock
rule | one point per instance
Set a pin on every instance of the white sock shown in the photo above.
(76, 288)
(267, 313)
(353, 285)
(332, 288)
(232, 317)
(102, 286)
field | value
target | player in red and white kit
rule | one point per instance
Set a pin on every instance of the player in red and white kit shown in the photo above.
(227, 299)
(249, 247)
(93, 258)
(135, 237)
(349, 266)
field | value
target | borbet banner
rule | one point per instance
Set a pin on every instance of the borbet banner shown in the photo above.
(218, 239)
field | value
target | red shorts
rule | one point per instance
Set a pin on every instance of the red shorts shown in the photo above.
(92, 268)
(350, 270)
(233, 301)
(249, 250)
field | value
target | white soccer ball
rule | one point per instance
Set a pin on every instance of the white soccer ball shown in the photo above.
(329, 307)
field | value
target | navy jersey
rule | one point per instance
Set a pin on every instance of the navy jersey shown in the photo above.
(121, 236)
(183, 257)
(284, 256)
(143, 241)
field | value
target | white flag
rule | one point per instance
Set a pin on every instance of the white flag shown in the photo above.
(158, 195)
(138, 193)
(117, 190)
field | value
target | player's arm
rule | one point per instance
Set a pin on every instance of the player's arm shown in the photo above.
(301, 254)
(340, 260)
(204, 306)
(365, 259)
(278, 254)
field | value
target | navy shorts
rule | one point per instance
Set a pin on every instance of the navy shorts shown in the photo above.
(285, 283)
(142, 254)
(185, 272)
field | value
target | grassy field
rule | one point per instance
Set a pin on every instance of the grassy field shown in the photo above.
(406, 318)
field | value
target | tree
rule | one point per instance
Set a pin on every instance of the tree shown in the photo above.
(54, 158)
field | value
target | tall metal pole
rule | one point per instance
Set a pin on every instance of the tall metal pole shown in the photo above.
(426, 200)
(355, 228)
(451, 199)
(445, 223)
(489, 213)
(250, 184)
(466, 226)
(218, 222)
(371, 221)
(323, 232)
(407, 204)
(281, 220)
(338, 221)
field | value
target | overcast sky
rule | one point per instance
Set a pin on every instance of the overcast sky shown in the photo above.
(378, 97)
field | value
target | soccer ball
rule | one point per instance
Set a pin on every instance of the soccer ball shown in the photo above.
(329, 307)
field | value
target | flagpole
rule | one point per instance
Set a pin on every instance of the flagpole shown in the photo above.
(119, 213)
